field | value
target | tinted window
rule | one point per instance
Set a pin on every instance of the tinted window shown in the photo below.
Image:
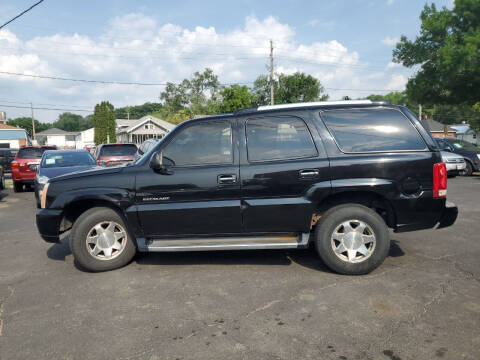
(276, 138)
(442, 144)
(118, 150)
(31, 153)
(66, 159)
(363, 130)
(203, 143)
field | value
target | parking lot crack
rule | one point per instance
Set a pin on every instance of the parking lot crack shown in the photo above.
(2, 303)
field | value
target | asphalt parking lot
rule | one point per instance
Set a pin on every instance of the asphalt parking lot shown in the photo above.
(422, 303)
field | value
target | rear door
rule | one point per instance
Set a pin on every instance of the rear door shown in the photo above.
(282, 168)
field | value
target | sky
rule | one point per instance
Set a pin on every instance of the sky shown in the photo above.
(346, 44)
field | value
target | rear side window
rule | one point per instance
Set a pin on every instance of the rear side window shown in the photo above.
(366, 130)
(118, 150)
(278, 138)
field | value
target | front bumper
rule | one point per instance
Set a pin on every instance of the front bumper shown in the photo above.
(48, 224)
(449, 215)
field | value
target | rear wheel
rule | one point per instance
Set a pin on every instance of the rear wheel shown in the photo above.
(100, 240)
(352, 239)
(17, 186)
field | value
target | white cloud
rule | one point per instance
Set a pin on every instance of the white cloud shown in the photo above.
(393, 65)
(397, 82)
(390, 41)
(136, 48)
(390, 2)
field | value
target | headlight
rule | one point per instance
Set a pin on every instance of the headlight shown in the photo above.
(42, 179)
(43, 199)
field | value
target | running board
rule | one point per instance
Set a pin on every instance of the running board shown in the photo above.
(224, 243)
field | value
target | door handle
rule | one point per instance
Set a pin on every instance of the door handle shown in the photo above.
(309, 173)
(227, 179)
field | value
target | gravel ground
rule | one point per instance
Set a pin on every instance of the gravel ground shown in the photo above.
(422, 303)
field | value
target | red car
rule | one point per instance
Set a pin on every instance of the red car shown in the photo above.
(24, 167)
(115, 154)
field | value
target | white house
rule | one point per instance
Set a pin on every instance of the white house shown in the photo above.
(137, 131)
(85, 138)
(60, 138)
(13, 137)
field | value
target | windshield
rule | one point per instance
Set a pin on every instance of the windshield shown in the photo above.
(67, 159)
(32, 153)
(118, 150)
(460, 144)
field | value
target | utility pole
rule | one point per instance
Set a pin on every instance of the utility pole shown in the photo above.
(420, 111)
(33, 123)
(272, 99)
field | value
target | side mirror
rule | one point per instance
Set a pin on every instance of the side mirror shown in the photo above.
(156, 163)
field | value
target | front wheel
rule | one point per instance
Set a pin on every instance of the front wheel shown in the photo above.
(468, 170)
(100, 241)
(352, 239)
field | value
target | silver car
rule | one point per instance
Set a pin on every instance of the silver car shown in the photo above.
(455, 163)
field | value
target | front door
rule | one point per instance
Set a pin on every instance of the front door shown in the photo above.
(200, 191)
(282, 169)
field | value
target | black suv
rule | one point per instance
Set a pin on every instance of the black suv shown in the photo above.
(333, 174)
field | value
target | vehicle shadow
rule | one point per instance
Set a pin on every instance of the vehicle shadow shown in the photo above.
(59, 251)
(304, 257)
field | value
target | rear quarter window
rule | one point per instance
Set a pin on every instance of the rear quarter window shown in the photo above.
(370, 130)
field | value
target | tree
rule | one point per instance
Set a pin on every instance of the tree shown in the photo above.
(200, 94)
(298, 87)
(26, 123)
(138, 111)
(395, 97)
(104, 123)
(69, 122)
(448, 51)
(235, 98)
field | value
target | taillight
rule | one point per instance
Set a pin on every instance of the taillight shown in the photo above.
(14, 164)
(439, 180)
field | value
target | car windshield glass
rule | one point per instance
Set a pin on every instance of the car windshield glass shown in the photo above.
(31, 153)
(460, 144)
(118, 150)
(67, 159)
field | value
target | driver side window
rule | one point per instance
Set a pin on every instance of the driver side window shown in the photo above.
(201, 144)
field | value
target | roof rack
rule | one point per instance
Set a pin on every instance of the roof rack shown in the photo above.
(319, 103)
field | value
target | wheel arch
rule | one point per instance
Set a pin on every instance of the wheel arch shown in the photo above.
(366, 198)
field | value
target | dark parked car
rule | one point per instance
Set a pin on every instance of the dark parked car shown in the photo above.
(2, 178)
(470, 152)
(333, 174)
(6, 158)
(115, 154)
(60, 162)
(24, 167)
(145, 147)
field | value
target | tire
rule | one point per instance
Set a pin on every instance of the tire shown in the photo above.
(2, 182)
(83, 250)
(377, 248)
(468, 170)
(17, 186)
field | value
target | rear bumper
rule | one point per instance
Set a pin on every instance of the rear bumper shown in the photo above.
(48, 224)
(449, 215)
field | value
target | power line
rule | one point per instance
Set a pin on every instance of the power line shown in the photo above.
(43, 108)
(102, 81)
(23, 12)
